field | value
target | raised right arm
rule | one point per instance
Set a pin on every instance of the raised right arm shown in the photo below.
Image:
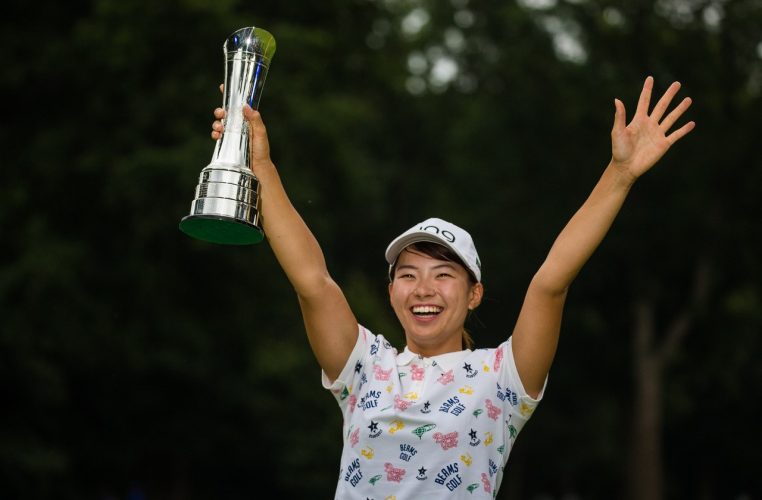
(331, 326)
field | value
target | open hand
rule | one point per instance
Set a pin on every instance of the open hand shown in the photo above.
(637, 146)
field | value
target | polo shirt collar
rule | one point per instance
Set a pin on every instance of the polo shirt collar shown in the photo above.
(445, 362)
(405, 357)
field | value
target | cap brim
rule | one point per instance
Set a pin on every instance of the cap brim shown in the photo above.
(396, 247)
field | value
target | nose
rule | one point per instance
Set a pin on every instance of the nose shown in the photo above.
(423, 289)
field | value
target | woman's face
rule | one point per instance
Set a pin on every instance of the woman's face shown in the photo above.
(431, 298)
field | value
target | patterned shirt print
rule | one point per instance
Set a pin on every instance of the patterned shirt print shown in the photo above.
(415, 427)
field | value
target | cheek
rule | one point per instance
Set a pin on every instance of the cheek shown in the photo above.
(396, 296)
(398, 305)
(462, 298)
(459, 292)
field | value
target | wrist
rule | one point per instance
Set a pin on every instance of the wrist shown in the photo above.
(621, 174)
(263, 169)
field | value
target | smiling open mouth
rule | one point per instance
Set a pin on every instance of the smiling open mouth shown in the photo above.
(426, 311)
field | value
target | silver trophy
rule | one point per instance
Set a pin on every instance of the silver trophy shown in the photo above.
(226, 207)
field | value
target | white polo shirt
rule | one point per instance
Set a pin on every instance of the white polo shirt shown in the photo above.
(439, 427)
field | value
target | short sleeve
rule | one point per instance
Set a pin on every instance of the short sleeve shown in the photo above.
(510, 387)
(350, 375)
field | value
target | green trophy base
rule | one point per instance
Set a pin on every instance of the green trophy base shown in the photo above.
(221, 230)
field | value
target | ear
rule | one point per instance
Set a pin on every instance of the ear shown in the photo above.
(475, 296)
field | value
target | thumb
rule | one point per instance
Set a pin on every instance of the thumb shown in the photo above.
(259, 146)
(620, 119)
(249, 113)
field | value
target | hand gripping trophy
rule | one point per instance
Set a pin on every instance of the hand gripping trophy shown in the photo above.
(226, 207)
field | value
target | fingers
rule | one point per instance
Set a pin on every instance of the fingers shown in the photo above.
(671, 118)
(217, 127)
(256, 125)
(645, 97)
(662, 106)
(681, 132)
(667, 123)
(666, 99)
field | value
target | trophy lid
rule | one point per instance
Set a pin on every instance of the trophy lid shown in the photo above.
(252, 40)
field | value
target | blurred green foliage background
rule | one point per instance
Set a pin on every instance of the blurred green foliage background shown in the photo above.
(138, 363)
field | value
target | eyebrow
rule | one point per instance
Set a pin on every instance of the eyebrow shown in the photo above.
(448, 265)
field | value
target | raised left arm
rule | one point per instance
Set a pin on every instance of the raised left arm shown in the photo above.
(636, 147)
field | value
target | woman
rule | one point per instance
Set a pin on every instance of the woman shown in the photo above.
(438, 419)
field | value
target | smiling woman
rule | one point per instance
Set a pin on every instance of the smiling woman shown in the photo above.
(408, 268)
(440, 419)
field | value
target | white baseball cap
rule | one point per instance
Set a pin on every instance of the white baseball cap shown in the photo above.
(444, 233)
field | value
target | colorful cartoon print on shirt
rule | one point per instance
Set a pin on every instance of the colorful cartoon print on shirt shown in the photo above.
(486, 483)
(381, 374)
(498, 359)
(400, 404)
(392, 473)
(420, 431)
(446, 441)
(446, 378)
(416, 372)
(492, 411)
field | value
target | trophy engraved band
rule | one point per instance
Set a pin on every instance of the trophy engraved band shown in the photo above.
(225, 209)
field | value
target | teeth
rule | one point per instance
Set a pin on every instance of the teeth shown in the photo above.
(426, 310)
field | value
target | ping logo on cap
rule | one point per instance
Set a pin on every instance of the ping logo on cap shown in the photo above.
(444, 233)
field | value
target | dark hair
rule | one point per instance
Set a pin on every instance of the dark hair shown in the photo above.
(440, 252)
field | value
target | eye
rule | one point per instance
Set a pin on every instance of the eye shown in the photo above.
(405, 276)
(444, 275)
